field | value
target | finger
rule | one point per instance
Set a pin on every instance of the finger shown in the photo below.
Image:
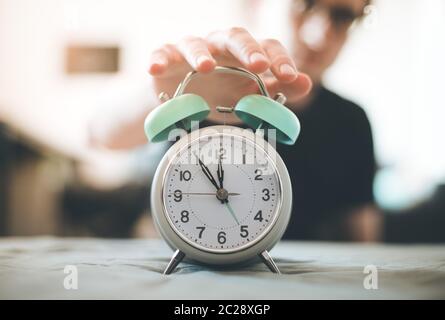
(158, 62)
(197, 54)
(163, 58)
(294, 90)
(239, 43)
(282, 65)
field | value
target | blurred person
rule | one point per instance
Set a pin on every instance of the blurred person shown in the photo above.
(332, 164)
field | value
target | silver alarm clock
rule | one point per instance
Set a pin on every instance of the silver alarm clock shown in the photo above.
(222, 195)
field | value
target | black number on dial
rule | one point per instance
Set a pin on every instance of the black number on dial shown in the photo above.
(266, 194)
(222, 153)
(201, 230)
(185, 216)
(259, 216)
(244, 233)
(178, 195)
(258, 174)
(222, 237)
(185, 175)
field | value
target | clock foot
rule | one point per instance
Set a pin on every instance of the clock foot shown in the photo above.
(268, 261)
(175, 260)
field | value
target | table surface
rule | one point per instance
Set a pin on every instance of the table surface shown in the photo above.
(33, 268)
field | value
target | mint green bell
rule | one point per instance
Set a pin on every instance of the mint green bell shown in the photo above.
(178, 112)
(259, 111)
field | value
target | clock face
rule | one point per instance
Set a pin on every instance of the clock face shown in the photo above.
(221, 193)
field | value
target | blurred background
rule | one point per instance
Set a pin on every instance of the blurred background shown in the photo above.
(67, 63)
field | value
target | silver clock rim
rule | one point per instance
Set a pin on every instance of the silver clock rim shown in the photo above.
(220, 251)
(240, 254)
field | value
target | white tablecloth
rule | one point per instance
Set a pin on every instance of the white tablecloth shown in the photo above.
(33, 268)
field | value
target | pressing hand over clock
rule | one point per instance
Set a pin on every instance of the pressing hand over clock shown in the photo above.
(233, 47)
(169, 64)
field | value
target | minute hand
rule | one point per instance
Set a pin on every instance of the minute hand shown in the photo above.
(220, 174)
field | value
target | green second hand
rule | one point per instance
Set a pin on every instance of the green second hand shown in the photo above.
(231, 211)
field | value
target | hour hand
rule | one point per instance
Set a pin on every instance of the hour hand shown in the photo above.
(207, 172)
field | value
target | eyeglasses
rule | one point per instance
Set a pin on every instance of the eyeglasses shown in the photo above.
(341, 17)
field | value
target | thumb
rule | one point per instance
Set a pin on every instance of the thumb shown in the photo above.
(294, 91)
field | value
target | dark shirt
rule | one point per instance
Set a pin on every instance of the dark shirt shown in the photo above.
(331, 167)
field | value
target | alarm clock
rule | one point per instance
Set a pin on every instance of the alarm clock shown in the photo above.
(221, 195)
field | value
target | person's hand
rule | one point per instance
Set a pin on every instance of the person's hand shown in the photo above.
(234, 47)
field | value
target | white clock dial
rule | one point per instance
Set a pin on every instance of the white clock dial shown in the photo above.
(247, 205)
